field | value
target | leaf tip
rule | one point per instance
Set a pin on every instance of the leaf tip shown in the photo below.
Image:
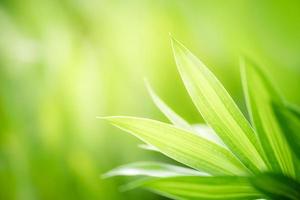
(177, 46)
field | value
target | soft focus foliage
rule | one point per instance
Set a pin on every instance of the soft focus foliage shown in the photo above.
(255, 161)
(64, 62)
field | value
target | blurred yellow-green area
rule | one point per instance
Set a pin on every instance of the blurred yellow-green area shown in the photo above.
(64, 62)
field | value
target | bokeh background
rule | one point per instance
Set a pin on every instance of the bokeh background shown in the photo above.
(64, 62)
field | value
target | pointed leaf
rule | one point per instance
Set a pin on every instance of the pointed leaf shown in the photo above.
(218, 109)
(167, 111)
(203, 130)
(182, 145)
(208, 133)
(152, 169)
(259, 94)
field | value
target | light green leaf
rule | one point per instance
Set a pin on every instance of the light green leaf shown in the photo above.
(167, 111)
(203, 188)
(218, 109)
(208, 133)
(277, 186)
(182, 145)
(259, 94)
(289, 119)
(152, 169)
(148, 147)
(201, 129)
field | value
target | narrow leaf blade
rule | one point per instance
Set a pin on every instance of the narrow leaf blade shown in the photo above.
(290, 126)
(259, 94)
(200, 188)
(152, 169)
(182, 145)
(167, 111)
(218, 109)
(148, 147)
(208, 133)
(203, 130)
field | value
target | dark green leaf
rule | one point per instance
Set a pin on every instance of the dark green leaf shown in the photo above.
(277, 186)
(290, 126)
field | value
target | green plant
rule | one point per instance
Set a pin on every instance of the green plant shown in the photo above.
(229, 158)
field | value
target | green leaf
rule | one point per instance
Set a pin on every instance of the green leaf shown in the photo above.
(259, 94)
(152, 169)
(294, 109)
(277, 186)
(148, 147)
(218, 109)
(167, 111)
(203, 188)
(289, 119)
(208, 133)
(202, 130)
(182, 145)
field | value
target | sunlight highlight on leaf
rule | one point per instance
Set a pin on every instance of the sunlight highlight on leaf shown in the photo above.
(218, 109)
(152, 169)
(200, 129)
(167, 111)
(182, 145)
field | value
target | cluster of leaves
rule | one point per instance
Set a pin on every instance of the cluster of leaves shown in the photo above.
(229, 158)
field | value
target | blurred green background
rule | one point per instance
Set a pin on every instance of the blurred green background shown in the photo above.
(64, 62)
